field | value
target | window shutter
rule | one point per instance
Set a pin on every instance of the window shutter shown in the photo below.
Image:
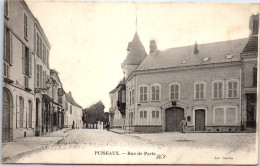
(23, 59)
(18, 115)
(30, 63)
(11, 49)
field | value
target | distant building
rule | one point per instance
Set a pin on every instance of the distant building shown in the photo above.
(58, 103)
(116, 118)
(212, 85)
(73, 114)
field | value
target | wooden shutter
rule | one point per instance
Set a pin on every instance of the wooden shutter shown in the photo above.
(18, 112)
(23, 59)
(11, 48)
(30, 63)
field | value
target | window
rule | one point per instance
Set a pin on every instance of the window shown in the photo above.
(232, 89)
(225, 115)
(6, 8)
(47, 58)
(21, 102)
(254, 77)
(130, 96)
(217, 89)
(155, 93)
(155, 114)
(40, 80)
(27, 61)
(40, 53)
(25, 26)
(175, 91)
(30, 114)
(43, 79)
(44, 54)
(199, 90)
(8, 52)
(133, 96)
(143, 93)
(70, 109)
(8, 56)
(38, 75)
(38, 44)
(143, 114)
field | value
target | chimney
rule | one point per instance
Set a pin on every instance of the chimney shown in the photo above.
(70, 93)
(153, 46)
(196, 50)
(253, 24)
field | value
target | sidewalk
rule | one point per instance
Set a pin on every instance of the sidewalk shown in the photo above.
(26, 145)
(120, 131)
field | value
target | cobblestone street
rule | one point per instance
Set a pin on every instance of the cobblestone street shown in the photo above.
(85, 146)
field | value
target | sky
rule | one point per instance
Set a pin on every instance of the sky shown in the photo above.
(89, 39)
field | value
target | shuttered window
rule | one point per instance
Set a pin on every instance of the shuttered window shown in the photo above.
(225, 115)
(143, 93)
(30, 114)
(21, 118)
(232, 89)
(25, 26)
(199, 90)
(155, 93)
(217, 89)
(174, 91)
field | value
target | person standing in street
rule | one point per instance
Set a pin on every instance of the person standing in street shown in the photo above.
(183, 125)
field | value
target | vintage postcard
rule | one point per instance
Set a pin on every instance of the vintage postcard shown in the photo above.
(95, 82)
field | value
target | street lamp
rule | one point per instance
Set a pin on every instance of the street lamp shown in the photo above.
(48, 85)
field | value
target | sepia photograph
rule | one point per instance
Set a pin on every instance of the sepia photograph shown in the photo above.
(129, 82)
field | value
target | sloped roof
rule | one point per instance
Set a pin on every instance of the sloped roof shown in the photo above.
(251, 46)
(136, 51)
(184, 56)
(71, 100)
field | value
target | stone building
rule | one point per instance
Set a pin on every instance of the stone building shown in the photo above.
(19, 117)
(116, 118)
(27, 86)
(73, 114)
(212, 85)
(58, 102)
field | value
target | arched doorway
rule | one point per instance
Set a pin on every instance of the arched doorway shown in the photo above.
(174, 115)
(7, 116)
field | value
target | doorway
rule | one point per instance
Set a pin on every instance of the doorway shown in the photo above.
(200, 120)
(7, 116)
(174, 116)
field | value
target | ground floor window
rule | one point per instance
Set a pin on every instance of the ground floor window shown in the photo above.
(225, 115)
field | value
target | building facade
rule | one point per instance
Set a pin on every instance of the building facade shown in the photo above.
(212, 85)
(116, 118)
(73, 114)
(28, 88)
(58, 103)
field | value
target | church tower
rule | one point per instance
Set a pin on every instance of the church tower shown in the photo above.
(135, 55)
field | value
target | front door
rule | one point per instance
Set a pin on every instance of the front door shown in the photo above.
(200, 120)
(251, 110)
(174, 116)
(6, 127)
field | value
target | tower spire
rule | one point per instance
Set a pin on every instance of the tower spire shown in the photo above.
(136, 23)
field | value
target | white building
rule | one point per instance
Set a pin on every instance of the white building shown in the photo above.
(73, 113)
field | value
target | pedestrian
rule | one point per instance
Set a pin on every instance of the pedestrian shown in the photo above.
(183, 125)
(107, 126)
(73, 125)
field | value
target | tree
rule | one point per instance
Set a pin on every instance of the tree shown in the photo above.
(94, 113)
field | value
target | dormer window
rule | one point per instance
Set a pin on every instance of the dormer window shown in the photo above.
(205, 59)
(229, 56)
